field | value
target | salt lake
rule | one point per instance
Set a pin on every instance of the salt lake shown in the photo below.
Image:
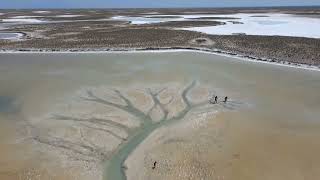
(268, 24)
(270, 125)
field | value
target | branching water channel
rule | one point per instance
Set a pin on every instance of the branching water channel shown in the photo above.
(115, 169)
(115, 163)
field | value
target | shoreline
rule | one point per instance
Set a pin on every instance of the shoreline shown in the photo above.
(165, 49)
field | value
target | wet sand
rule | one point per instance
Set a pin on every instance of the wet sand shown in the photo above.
(275, 138)
(269, 131)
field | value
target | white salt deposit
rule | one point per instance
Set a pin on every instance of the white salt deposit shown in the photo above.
(252, 24)
(69, 15)
(151, 13)
(41, 12)
(274, 24)
(24, 17)
(146, 19)
(22, 20)
(268, 24)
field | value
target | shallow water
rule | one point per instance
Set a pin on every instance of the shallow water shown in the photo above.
(265, 22)
(283, 102)
(10, 35)
(7, 105)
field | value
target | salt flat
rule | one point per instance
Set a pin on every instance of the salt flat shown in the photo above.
(69, 15)
(266, 24)
(22, 20)
(41, 12)
(142, 20)
(24, 17)
(270, 24)
(67, 115)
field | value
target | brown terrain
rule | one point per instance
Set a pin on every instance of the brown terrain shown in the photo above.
(94, 30)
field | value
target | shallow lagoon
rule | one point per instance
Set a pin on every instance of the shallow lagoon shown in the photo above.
(10, 35)
(275, 132)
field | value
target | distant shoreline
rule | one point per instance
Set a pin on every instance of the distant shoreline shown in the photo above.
(189, 7)
(165, 49)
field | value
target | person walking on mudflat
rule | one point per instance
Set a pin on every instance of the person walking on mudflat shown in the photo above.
(215, 99)
(225, 99)
(154, 165)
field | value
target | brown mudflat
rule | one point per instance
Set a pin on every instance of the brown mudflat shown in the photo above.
(269, 125)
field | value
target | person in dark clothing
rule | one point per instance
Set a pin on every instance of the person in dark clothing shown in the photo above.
(154, 165)
(216, 99)
(225, 99)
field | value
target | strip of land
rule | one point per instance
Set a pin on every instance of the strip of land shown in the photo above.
(95, 30)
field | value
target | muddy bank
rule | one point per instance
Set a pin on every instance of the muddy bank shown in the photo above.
(97, 29)
(278, 49)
